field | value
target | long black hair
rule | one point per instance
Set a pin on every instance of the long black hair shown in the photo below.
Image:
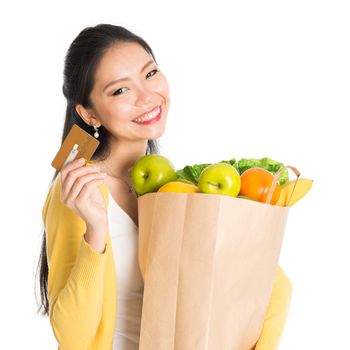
(81, 61)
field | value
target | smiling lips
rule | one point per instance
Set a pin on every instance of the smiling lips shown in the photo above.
(148, 116)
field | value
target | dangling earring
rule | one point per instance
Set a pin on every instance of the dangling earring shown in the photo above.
(96, 134)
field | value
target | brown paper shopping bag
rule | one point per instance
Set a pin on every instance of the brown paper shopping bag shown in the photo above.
(208, 263)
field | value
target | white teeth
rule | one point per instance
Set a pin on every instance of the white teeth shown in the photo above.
(148, 116)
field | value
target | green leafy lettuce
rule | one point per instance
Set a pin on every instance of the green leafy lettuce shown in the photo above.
(191, 173)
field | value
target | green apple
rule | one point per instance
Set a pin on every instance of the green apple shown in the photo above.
(150, 172)
(220, 178)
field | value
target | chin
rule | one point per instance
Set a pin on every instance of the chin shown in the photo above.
(158, 130)
(158, 134)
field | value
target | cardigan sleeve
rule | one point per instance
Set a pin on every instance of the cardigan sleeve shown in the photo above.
(277, 312)
(76, 275)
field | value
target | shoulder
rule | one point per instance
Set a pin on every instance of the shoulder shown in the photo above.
(282, 281)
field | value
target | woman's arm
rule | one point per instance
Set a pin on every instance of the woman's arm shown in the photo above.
(277, 312)
(76, 275)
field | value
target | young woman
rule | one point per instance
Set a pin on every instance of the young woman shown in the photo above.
(90, 282)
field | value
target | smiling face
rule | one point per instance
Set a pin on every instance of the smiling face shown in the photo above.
(128, 85)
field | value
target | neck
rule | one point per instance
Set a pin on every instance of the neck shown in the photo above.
(122, 157)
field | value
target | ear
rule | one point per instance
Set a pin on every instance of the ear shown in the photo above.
(87, 115)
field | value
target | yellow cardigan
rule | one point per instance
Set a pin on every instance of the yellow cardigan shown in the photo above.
(82, 285)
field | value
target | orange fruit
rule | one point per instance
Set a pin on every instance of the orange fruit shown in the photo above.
(256, 183)
(179, 186)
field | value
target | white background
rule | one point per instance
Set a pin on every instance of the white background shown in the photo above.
(247, 79)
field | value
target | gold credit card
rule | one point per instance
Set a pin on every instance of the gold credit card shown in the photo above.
(77, 144)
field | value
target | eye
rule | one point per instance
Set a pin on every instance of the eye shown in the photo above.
(118, 92)
(149, 74)
(154, 70)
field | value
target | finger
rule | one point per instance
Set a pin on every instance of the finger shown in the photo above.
(88, 188)
(74, 175)
(75, 164)
(81, 182)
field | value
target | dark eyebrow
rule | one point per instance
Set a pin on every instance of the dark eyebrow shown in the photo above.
(124, 79)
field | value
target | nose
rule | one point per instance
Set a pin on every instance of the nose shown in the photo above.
(143, 97)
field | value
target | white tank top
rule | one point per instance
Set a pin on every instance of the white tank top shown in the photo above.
(124, 238)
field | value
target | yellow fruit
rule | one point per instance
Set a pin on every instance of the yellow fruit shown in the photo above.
(179, 186)
(301, 188)
(184, 180)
